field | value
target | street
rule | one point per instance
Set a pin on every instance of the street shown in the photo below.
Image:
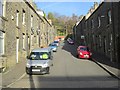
(68, 72)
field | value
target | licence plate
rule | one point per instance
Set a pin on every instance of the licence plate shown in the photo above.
(36, 70)
(86, 56)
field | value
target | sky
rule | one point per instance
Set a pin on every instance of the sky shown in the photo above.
(65, 8)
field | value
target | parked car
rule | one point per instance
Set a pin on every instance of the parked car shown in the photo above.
(83, 52)
(39, 61)
(56, 42)
(70, 41)
(53, 47)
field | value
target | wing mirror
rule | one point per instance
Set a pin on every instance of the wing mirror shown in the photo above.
(27, 57)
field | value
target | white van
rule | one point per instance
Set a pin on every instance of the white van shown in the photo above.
(39, 61)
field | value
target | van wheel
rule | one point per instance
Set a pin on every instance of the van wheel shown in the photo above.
(29, 72)
(47, 70)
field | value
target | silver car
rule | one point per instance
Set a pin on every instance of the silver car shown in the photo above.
(39, 61)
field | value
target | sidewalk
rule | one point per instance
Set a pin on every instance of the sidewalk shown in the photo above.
(112, 68)
(14, 73)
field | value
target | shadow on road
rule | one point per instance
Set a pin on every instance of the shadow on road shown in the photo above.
(70, 48)
(97, 56)
(76, 82)
(32, 85)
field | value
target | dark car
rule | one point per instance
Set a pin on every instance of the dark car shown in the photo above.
(83, 52)
(70, 41)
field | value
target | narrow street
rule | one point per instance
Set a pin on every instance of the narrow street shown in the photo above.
(68, 72)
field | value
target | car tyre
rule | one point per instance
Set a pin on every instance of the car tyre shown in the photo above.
(77, 56)
(47, 70)
(29, 72)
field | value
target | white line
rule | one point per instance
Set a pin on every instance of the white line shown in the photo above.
(16, 80)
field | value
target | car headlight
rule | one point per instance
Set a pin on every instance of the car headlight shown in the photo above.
(28, 65)
(90, 53)
(81, 53)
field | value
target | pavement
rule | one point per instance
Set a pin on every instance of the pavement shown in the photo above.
(14, 73)
(113, 68)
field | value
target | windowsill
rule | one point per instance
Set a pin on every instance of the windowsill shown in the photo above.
(24, 24)
(4, 18)
(3, 55)
(17, 27)
(98, 27)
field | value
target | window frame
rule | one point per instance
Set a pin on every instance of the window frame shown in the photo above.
(2, 38)
(17, 18)
(109, 15)
(23, 17)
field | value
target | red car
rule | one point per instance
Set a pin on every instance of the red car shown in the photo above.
(83, 52)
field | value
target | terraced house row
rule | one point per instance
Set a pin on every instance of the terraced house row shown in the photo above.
(22, 28)
(100, 30)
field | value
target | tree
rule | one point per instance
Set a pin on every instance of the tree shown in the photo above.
(63, 23)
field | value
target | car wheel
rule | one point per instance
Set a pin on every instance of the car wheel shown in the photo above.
(77, 56)
(47, 70)
(29, 71)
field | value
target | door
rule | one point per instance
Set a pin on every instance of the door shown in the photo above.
(17, 48)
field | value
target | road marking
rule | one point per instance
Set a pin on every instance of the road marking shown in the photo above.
(16, 80)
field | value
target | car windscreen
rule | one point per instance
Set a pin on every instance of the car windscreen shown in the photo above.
(39, 56)
(84, 49)
(53, 45)
(55, 41)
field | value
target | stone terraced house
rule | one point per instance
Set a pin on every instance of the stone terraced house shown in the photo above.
(21, 30)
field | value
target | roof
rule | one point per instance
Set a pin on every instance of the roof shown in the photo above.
(41, 50)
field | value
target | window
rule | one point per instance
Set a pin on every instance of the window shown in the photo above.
(92, 23)
(86, 24)
(17, 17)
(23, 41)
(99, 21)
(1, 43)
(23, 17)
(39, 56)
(31, 21)
(100, 41)
(109, 17)
(1, 8)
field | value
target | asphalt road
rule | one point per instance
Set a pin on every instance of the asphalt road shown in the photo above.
(68, 72)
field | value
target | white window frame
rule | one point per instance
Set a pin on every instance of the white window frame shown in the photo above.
(99, 21)
(4, 7)
(23, 18)
(17, 18)
(23, 41)
(100, 40)
(32, 40)
(109, 17)
(31, 21)
(92, 23)
(1, 8)
(2, 46)
(37, 39)
(17, 50)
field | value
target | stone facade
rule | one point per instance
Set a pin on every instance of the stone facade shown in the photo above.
(102, 30)
(23, 30)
